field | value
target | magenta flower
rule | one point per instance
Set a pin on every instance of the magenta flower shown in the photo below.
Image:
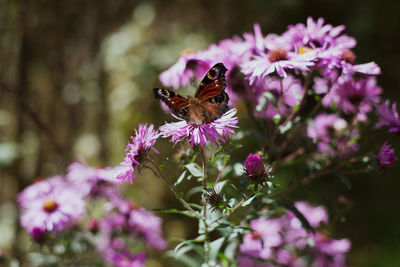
(148, 225)
(142, 142)
(387, 117)
(58, 208)
(386, 157)
(254, 165)
(219, 129)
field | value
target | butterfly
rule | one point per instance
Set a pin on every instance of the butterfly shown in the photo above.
(209, 103)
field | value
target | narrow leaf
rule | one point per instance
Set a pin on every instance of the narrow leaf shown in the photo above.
(194, 170)
(183, 212)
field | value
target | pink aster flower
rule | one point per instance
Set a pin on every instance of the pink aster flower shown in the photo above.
(387, 117)
(358, 96)
(315, 215)
(123, 258)
(386, 157)
(219, 129)
(148, 225)
(92, 181)
(142, 142)
(292, 92)
(315, 34)
(188, 66)
(322, 126)
(38, 189)
(58, 208)
(278, 60)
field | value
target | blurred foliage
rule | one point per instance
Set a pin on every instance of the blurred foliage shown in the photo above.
(76, 79)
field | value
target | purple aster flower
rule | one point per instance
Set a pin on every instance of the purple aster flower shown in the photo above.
(328, 130)
(58, 208)
(330, 252)
(40, 188)
(324, 125)
(142, 142)
(314, 214)
(148, 225)
(388, 117)
(123, 258)
(92, 181)
(188, 66)
(277, 60)
(357, 96)
(386, 157)
(291, 91)
(315, 34)
(219, 129)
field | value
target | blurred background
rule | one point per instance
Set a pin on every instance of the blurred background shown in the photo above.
(76, 78)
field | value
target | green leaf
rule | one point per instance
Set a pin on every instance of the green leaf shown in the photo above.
(185, 259)
(183, 212)
(296, 107)
(299, 215)
(193, 168)
(215, 246)
(180, 178)
(248, 201)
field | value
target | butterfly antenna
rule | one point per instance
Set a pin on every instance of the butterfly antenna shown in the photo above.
(193, 82)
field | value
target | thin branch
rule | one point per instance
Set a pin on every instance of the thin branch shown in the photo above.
(234, 208)
(173, 190)
(307, 83)
(203, 160)
(220, 174)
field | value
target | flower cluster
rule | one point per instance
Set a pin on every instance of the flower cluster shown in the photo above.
(284, 241)
(56, 204)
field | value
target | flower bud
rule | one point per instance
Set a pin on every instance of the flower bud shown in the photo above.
(255, 169)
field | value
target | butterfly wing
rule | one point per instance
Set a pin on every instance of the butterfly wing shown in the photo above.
(177, 103)
(213, 83)
(211, 92)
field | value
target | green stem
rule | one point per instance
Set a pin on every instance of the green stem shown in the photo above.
(173, 190)
(206, 235)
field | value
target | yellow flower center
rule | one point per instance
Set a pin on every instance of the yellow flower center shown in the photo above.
(50, 206)
(304, 50)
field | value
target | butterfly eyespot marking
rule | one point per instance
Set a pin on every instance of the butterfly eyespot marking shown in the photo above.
(217, 99)
(183, 112)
